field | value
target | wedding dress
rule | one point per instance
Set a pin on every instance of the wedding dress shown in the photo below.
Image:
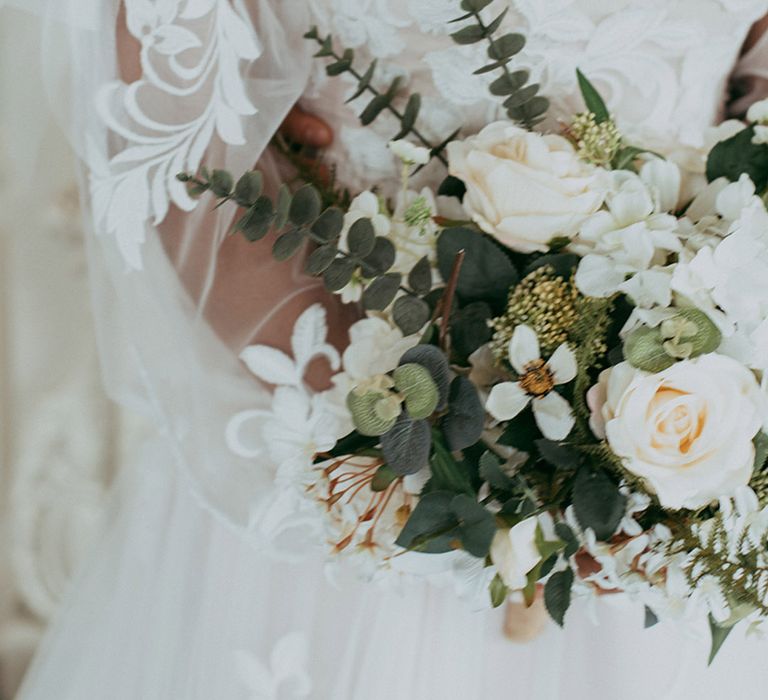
(196, 591)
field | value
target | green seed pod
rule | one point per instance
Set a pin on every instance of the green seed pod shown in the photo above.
(644, 349)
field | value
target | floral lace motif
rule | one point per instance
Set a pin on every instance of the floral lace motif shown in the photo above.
(190, 89)
(284, 676)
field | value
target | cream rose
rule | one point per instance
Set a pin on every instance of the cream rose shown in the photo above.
(687, 431)
(523, 188)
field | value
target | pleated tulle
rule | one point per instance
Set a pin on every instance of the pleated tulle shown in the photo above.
(172, 597)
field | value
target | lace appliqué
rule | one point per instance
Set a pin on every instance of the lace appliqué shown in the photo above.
(190, 59)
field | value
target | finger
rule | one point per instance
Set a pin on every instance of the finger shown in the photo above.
(306, 129)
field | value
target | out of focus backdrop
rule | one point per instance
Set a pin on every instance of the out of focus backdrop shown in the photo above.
(61, 440)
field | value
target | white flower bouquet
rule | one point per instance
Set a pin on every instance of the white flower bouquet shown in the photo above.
(558, 378)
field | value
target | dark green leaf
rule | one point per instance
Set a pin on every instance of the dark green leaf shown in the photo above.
(547, 565)
(557, 595)
(761, 450)
(447, 473)
(492, 473)
(469, 35)
(380, 293)
(506, 46)
(382, 257)
(491, 67)
(521, 432)
(257, 221)
(342, 65)
(221, 183)
(407, 445)
(650, 618)
(597, 502)
(283, 206)
(248, 188)
(328, 226)
(382, 479)
(474, 5)
(496, 23)
(592, 99)
(364, 82)
(463, 424)
(719, 635)
(410, 314)
(509, 83)
(476, 525)
(361, 238)
(287, 245)
(530, 113)
(410, 115)
(338, 274)
(375, 107)
(558, 454)
(565, 533)
(563, 264)
(486, 273)
(321, 259)
(737, 155)
(522, 96)
(420, 277)
(469, 329)
(433, 359)
(432, 527)
(499, 592)
(326, 48)
(305, 206)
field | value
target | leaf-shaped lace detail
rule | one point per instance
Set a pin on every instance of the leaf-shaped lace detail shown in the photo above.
(190, 89)
(283, 677)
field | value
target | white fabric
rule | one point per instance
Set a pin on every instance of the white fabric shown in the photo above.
(178, 604)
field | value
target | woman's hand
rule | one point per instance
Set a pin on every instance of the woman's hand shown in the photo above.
(306, 129)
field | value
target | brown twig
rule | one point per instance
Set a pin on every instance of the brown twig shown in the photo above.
(446, 303)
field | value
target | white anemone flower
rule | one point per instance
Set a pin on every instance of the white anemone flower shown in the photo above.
(538, 378)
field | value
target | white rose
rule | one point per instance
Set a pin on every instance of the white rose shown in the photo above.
(375, 348)
(758, 112)
(514, 553)
(687, 431)
(523, 188)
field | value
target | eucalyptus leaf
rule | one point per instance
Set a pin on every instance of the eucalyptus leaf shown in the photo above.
(320, 259)
(644, 349)
(257, 221)
(433, 359)
(364, 82)
(476, 525)
(432, 527)
(380, 293)
(375, 107)
(305, 206)
(738, 155)
(509, 83)
(470, 329)
(499, 592)
(407, 445)
(420, 277)
(492, 473)
(447, 473)
(506, 46)
(761, 450)
(248, 188)
(558, 454)
(410, 314)
(339, 274)
(463, 424)
(521, 96)
(381, 258)
(361, 238)
(367, 419)
(410, 115)
(416, 384)
(221, 183)
(287, 245)
(283, 206)
(329, 224)
(474, 5)
(469, 35)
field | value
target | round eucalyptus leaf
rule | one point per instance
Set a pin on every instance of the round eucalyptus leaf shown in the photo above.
(380, 293)
(248, 188)
(339, 274)
(644, 349)
(407, 445)
(367, 419)
(328, 226)
(361, 238)
(287, 245)
(420, 391)
(257, 221)
(283, 206)
(321, 259)
(410, 314)
(433, 359)
(463, 424)
(221, 183)
(420, 277)
(707, 337)
(305, 206)
(381, 258)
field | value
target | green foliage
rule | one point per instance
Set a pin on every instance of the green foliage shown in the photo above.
(644, 349)
(448, 474)
(499, 592)
(463, 424)
(383, 478)
(407, 445)
(420, 391)
(719, 635)
(432, 359)
(592, 98)
(366, 413)
(521, 100)
(557, 595)
(597, 502)
(737, 155)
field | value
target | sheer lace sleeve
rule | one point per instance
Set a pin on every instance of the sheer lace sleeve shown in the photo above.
(161, 87)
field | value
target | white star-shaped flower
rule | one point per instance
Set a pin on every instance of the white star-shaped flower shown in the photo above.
(538, 378)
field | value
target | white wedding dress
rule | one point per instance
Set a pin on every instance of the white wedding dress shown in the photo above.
(189, 595)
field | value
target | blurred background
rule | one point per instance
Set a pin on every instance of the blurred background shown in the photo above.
(61, 440)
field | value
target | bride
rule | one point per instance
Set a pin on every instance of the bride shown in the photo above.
(195, 592)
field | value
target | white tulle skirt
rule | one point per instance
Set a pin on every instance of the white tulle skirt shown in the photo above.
(174, 606)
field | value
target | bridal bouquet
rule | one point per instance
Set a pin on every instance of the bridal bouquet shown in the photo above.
(559, 376)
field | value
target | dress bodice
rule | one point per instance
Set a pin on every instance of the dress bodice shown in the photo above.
(662, 65)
